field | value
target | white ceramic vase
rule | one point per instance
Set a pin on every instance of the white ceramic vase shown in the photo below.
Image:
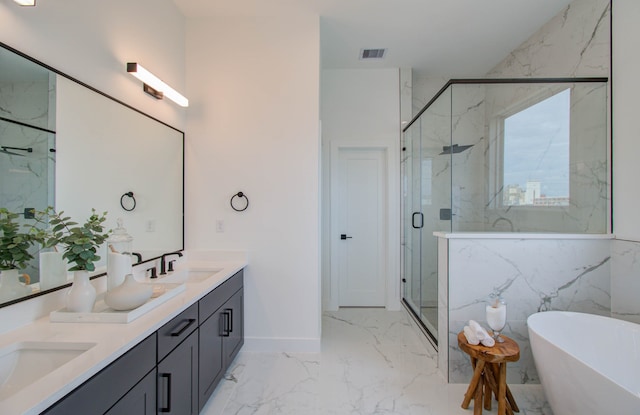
(10, 286)
(82, 296)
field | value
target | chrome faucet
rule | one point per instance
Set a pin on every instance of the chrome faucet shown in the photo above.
(163, 262)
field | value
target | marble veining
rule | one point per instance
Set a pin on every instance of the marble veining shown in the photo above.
(372, 361)
(625, 283)
(573, 43)
(532, 275)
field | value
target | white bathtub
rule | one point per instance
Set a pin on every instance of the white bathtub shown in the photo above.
(588, 364)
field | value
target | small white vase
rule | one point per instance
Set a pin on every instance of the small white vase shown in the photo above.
(81, 296)
(10, 286)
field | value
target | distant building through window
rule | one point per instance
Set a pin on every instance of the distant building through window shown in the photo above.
(536, 153)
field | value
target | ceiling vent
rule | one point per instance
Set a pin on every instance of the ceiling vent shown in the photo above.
(372, 53)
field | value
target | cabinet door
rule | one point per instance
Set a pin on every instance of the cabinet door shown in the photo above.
(211, 359)
(178, 379)
(141, 400)
(233, 332)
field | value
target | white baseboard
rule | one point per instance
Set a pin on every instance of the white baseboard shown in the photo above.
(279, 345)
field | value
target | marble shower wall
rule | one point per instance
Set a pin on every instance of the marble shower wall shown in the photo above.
(532, 274)
(25, 178)
(625, 280)
(575, 43)
(468, 173)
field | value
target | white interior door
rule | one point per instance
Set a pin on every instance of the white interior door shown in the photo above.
(359, 231)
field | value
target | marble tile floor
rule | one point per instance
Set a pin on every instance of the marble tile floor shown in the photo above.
(372, 361)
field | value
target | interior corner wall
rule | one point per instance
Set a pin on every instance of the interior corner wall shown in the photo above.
(626, 141)
(358, 106)
(93, 40)
(253, 126)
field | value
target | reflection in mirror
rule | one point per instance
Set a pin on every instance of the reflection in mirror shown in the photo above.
(67, 145)
(27, 134)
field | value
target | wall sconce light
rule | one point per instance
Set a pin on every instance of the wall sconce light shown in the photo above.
(26, 2)
(153, 86)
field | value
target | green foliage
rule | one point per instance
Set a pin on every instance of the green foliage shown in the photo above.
(80, 242)
(14, 245)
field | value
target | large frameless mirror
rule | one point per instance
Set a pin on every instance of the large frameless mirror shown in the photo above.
(68, 145)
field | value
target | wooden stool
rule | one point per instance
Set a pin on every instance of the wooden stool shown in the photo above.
(490, 375)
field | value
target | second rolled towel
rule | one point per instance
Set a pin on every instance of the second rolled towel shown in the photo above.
(481, 334)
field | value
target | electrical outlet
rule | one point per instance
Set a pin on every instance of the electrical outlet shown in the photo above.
(151, 225)
(219, 226)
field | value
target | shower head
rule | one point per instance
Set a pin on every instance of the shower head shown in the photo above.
(454, 149)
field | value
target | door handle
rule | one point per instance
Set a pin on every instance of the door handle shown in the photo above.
(226, 332)
(344, 236)
(168, 407)
(183, 328)
(413, 220)
(230, 313)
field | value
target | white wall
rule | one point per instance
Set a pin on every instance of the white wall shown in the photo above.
(625, 252)
(93, 40)
(361, 106)
(253, 126)
(626, 137)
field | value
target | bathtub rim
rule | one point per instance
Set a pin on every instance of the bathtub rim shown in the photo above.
(615, 321)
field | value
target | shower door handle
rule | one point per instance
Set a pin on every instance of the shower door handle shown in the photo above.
(413, 220)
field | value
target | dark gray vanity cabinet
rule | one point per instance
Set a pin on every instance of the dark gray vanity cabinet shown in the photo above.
(221, 314)
(176, 369)
(233, 335)
(211, 366)
(178, 379)
(128, 385)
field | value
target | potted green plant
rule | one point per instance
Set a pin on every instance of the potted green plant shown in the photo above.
(80, 245)
(14, 253)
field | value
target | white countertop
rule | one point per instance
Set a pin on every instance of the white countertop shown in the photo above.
(112, 340)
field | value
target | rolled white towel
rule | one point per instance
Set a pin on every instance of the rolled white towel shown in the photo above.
(481, 334)
(471, 336)
(488, 341)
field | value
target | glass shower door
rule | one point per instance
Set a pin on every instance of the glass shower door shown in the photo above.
(427, 208)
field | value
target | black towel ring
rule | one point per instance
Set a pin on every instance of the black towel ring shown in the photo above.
(128, 194)
(239, 195)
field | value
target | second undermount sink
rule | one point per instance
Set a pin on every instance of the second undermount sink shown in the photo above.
(190, 275)
(22, 364)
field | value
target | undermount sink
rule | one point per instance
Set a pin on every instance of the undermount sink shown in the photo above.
(191, 275)
(21, 364)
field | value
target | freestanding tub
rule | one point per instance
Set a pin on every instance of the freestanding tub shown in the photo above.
(588, 364)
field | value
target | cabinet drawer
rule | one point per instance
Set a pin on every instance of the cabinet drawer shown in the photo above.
(100, 392)
(175, 331)
(216, 298)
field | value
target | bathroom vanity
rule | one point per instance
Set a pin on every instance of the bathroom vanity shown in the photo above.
(166, 361)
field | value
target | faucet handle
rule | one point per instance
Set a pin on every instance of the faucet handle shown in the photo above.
(154, 272)
(171, 265)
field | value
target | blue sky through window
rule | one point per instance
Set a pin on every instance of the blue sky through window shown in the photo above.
(536, 146)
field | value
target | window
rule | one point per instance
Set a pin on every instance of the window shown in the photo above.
(536, 153)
